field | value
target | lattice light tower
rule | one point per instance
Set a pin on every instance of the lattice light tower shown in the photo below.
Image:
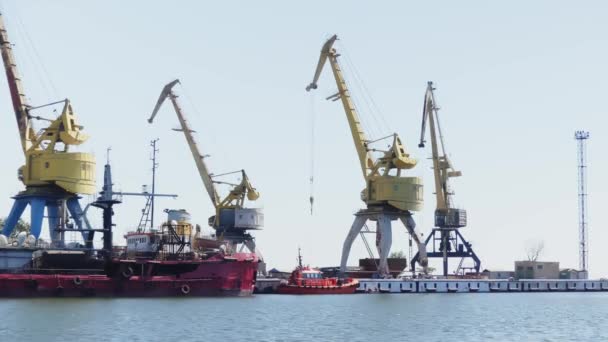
(583, 258)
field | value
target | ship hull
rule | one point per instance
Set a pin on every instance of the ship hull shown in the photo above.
(316, 290)
(40, 285)
(233, 277)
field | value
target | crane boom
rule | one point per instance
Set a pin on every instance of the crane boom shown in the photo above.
(446, 216)
(404, 193)
(20, 105)
(203, 171)
(429, 114)
(446, 240)
(388, 196)
(442, 166)
(327, 52)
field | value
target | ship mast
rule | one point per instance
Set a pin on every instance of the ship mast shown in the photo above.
(299, 258)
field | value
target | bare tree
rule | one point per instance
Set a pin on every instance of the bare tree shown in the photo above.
(534, 250)
(397, 255)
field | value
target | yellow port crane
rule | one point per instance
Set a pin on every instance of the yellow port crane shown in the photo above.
(448, 219)
(231, 219)
(388, 194)
(53, 176)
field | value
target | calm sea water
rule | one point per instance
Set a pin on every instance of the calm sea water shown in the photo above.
(377, 317)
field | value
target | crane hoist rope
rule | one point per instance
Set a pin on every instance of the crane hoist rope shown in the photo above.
(448, 219)
(312, 154)
(381, 125)
(388, 194)
(443, 169)
(53, 176)
(404, 193)
(46, 163)
(37, 62)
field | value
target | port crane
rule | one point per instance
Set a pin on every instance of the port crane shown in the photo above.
(388, 195)
(53, 175)
(447, 241)
(231, 220)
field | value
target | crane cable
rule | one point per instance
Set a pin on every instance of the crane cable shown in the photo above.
(33, 58)
(373, 110)
(435, 112)
(312, 151)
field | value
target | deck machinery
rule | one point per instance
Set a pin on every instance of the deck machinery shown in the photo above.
(53, 175)
(232, 220)
(388, 195)
(447, 242)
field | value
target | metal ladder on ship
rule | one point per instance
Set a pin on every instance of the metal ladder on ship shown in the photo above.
(145, 215)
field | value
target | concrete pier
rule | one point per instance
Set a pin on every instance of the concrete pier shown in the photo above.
(479, 285)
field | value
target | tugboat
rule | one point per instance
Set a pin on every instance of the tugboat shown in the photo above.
(308, 280)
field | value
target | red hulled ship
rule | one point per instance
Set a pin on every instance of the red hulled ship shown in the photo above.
(170, 261)
(216, 276)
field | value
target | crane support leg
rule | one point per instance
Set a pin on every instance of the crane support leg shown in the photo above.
(384, 239)
(410, 225)
(250, 244)
(54, 217)
(12, 219)
(76, 211)
(456, 247)
(350, 238)
(37, 206)
(37, 214)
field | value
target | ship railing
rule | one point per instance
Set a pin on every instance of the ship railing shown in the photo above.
(118, 251)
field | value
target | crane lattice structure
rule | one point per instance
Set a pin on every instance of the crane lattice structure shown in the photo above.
(583, 229)
(445, 238)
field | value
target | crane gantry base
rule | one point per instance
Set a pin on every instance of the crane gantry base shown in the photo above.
(442, 240)
(54, 200)
(383, 216)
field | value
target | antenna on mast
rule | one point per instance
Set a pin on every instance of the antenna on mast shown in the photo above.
(108, 155)
(154, 167)
(300, 258)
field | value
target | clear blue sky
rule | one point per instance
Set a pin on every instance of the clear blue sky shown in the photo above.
(515, 80)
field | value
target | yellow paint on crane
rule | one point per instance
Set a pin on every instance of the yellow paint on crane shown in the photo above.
(48, 160)
(403, 193)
